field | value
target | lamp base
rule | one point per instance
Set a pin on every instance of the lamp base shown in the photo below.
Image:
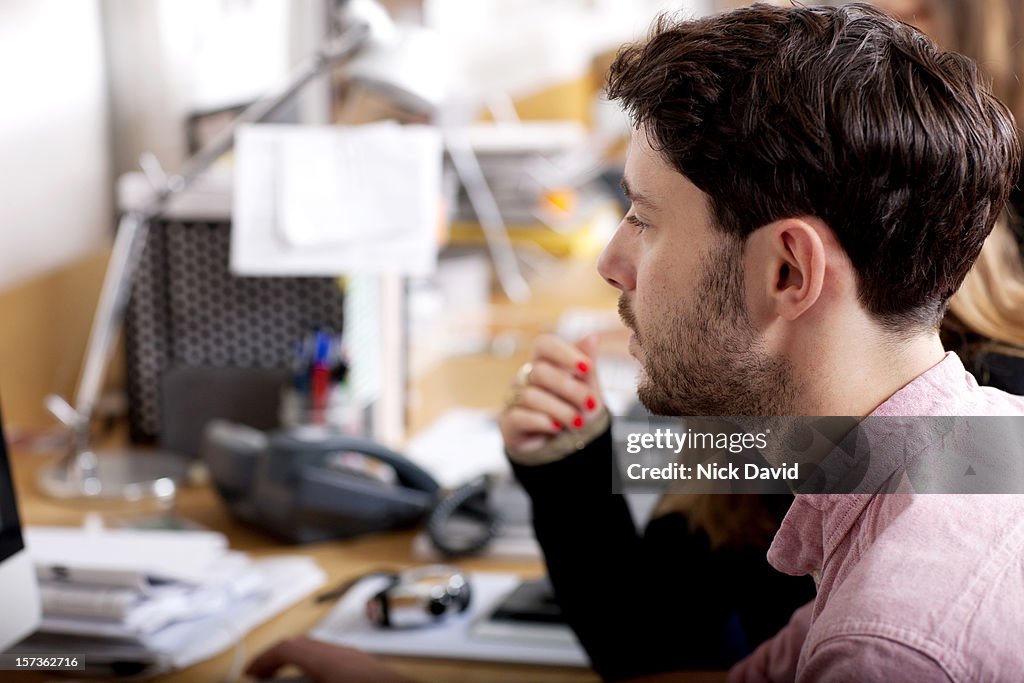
(125, 475)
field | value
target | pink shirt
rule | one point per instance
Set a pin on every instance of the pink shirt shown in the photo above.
(910, 587)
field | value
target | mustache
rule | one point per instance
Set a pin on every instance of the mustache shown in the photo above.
(626, 314)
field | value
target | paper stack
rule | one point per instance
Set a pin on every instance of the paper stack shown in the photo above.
(143, 602)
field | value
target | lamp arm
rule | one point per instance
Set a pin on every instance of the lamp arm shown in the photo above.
(134, 226)
(334, 51)
(128, 244)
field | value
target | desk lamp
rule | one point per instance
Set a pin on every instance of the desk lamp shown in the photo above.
(365, 30)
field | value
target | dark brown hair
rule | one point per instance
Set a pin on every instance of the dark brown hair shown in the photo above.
(840, 113)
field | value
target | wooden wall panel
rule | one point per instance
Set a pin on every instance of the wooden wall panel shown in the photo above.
(44, 325)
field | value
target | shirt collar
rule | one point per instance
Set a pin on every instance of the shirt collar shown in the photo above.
(817, 523)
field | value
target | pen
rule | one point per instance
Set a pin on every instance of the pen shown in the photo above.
(321, 377)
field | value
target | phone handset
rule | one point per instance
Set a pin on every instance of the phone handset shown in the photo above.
(464, 507)
(306, 485)
(409, 473)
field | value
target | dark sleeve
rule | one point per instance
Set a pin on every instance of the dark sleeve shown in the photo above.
(633, 614)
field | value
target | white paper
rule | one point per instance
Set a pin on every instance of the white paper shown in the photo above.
(291, 578)
(460, 446)
(124, 557)
(287, 579)
(336, 200)
(328, 183)
(123, 613)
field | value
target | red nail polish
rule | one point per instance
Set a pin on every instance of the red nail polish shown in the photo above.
(584, 368)
(556, 424)
(577, 422)
(590, 403)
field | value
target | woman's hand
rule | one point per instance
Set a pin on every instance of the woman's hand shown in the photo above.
(323, 663)
(556, 391)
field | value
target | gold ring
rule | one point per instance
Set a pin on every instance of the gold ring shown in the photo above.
(511, 399)
(523, 374)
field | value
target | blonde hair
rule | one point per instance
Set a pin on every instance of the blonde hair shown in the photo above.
(990, 302)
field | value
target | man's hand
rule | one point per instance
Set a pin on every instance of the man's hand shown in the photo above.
(558, 392)
(323, 663)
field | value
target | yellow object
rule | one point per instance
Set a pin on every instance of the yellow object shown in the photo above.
(561, 201)
(585, 239)
(571, 100)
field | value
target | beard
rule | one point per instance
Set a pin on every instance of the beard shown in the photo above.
(709, 360)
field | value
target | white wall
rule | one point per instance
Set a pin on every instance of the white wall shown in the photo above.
(146, 100)
(521, 47)
(170, 57)
(55, 185)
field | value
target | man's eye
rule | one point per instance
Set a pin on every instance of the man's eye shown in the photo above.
(636, 222)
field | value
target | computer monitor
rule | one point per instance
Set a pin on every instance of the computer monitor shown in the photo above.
(19, 592)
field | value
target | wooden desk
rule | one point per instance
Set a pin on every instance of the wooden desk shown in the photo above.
(340, 560)
(477, 381)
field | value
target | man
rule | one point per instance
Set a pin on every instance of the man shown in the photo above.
(809, 186)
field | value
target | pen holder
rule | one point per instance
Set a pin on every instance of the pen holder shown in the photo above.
(338, 410)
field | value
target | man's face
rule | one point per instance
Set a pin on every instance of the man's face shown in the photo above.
(682, 284)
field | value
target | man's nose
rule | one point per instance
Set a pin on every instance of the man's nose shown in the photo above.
(616, 265)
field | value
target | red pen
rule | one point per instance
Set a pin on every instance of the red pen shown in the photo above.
(320, 380)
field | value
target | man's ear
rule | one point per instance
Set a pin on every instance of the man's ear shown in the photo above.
(794, 253)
